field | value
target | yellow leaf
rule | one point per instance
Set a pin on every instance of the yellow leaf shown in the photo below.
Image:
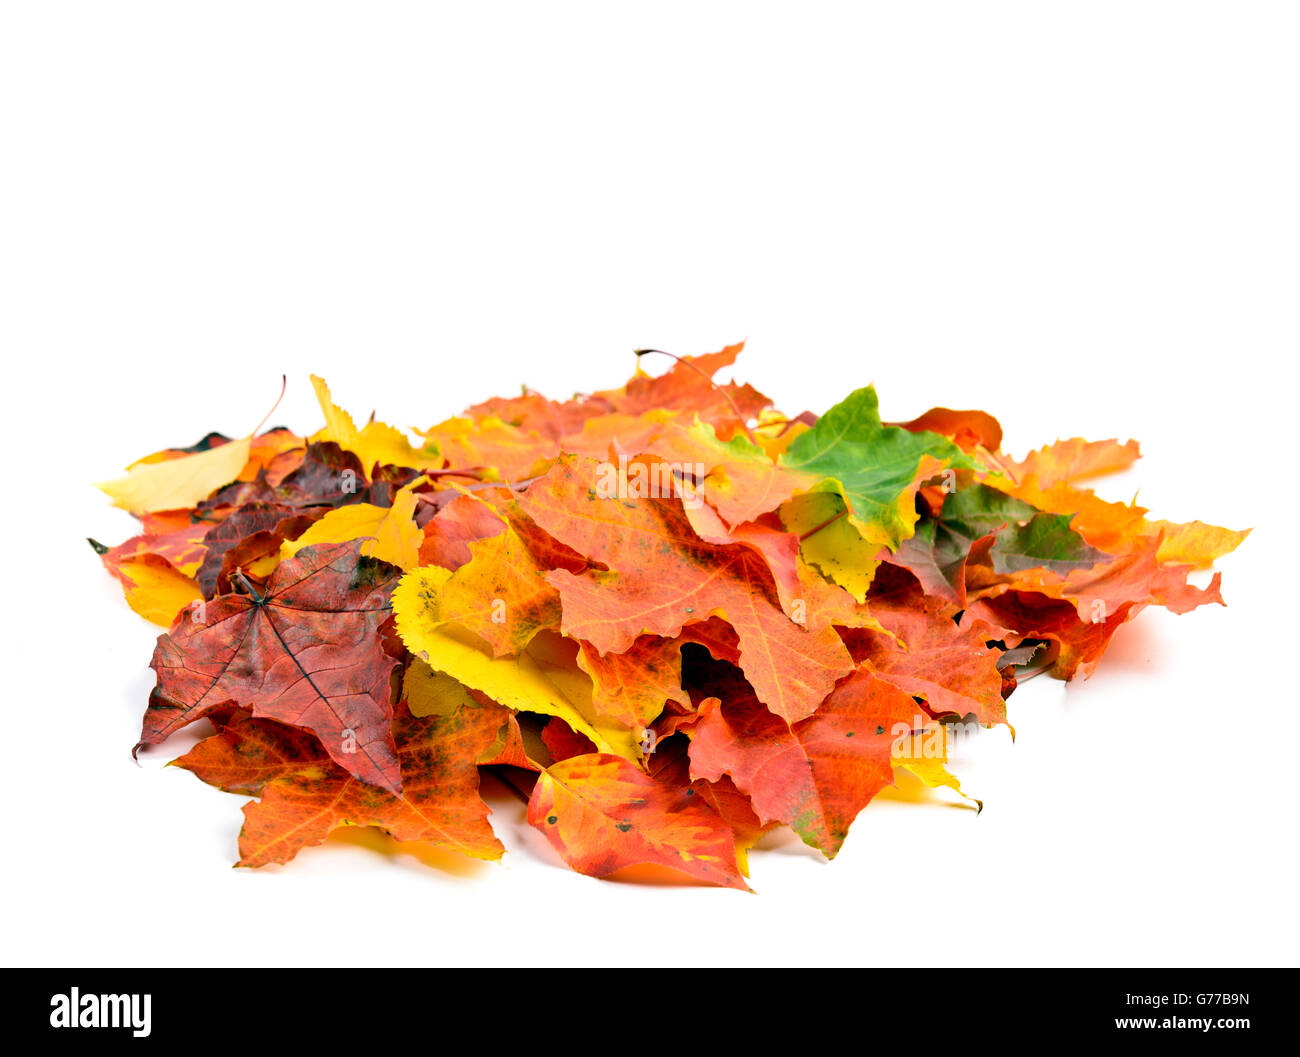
(155, 589)
(924, 754)
(543, 677)
(1194, 543)
(394, 536)
(376, 442)
(430, 693)
(830, 542)
(178, 483)
(358, 521)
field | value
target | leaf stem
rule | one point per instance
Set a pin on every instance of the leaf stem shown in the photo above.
(824, 524)
(257, 598)
(726, 395)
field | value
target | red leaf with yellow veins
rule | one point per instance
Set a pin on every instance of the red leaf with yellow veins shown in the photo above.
(672, 764)
(304, 795)
(660, 576)
(306, 652)
(925, 653)
(634, 686)
(182, 547)
(818, 774)
(602, 814)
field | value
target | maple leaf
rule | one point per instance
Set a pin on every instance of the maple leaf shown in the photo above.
(501, 594)
(1118, 527)
(924, 652)
(633, 686)
(488, 443)
(688, 386)
(305, 653)
(817, 774)
(659, 576)
(304, 794)
(691, 617)
(1045, 541)
(737, 478)
(1137, 576)
(671, 765)
(983, 524)
(969, 430)
(871, 466)
(602, 814)
(686, 389)
(1019, 615)
(1073, 460)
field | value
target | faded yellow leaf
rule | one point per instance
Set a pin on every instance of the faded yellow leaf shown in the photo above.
(178, 483)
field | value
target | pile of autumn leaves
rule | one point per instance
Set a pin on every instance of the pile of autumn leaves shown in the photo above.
(678, 616)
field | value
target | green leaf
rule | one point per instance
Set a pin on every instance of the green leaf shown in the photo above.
(1045, 542)
(1025, 538)
(980, 510)
(871, 465)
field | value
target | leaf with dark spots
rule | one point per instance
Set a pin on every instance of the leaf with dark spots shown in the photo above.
(603, 814)
(818, 774)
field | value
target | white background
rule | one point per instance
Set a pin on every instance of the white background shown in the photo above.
(1082, 217)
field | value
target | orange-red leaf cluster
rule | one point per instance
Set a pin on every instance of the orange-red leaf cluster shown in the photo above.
(671, 617)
